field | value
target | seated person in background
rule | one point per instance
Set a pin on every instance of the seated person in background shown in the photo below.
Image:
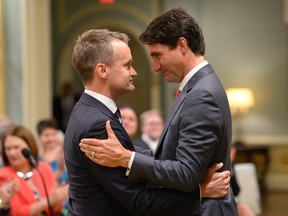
(151, 123)
(7, 190)
(31, 197)
(64, 103)
(243, 209)
(130, 120)
(5, 124)
(52, 152)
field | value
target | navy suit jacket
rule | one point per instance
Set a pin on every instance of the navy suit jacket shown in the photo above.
(196, 134)
(141, 144)
(103, 191)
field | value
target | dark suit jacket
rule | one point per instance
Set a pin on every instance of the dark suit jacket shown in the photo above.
(196, 134)
(142, 147)
(141, 144)
(103, 191)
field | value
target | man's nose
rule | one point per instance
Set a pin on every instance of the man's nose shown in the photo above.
(133, 72)
(156, 66)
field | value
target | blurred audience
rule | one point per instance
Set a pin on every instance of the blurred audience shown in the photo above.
(151, 125)
(5, 124)
(63, 104)
(243, 209)
(130, 120)
(51, 142)
(31, 197)
(7, 190)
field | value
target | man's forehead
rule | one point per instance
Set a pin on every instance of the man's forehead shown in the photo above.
(156, 48)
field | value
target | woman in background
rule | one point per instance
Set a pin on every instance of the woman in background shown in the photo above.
(51, 141)
(7, 191)
(31, 197)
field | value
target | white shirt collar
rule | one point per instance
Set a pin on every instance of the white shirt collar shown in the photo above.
(151, 143)
(103, 99)
(191, 73)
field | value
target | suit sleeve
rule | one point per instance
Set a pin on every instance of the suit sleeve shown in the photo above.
(190, 141)
(139, 198)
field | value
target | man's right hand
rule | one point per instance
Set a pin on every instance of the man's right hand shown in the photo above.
(215, 184)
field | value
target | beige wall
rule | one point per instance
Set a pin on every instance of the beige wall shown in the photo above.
(27, 61)
(2, 75)
(36, 61)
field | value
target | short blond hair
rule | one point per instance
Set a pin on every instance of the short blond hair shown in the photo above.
(93, 47)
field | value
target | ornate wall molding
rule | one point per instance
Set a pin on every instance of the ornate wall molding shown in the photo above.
(129, 17)
(2, 75)
(36, 61)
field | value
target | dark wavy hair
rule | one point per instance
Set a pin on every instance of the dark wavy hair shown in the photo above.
(167, 28)
(46, 123)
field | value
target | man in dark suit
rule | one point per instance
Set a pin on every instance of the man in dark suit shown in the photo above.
(63, 105)
(197, 132)
(151, 124)
(130, 119)
(103, 61)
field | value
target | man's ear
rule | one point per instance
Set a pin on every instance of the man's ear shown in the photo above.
(182, 44)
(101, 70)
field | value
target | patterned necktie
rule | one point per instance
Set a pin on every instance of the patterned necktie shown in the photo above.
(118, 114)
(177, 93)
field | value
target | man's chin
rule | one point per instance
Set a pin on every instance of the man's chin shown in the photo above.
(129, 90)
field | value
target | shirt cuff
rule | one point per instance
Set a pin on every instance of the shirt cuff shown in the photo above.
(130, 162)
(200, 193)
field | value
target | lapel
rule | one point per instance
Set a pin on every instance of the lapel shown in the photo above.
(91, 101)
(206, 70)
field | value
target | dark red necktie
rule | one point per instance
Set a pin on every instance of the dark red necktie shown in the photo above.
(177, 93)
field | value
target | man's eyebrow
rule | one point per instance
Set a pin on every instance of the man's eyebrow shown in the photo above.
(129, 62)
(154, 53)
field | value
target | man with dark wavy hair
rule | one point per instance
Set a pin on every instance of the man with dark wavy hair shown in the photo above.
(103, 60)
(197, 132)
